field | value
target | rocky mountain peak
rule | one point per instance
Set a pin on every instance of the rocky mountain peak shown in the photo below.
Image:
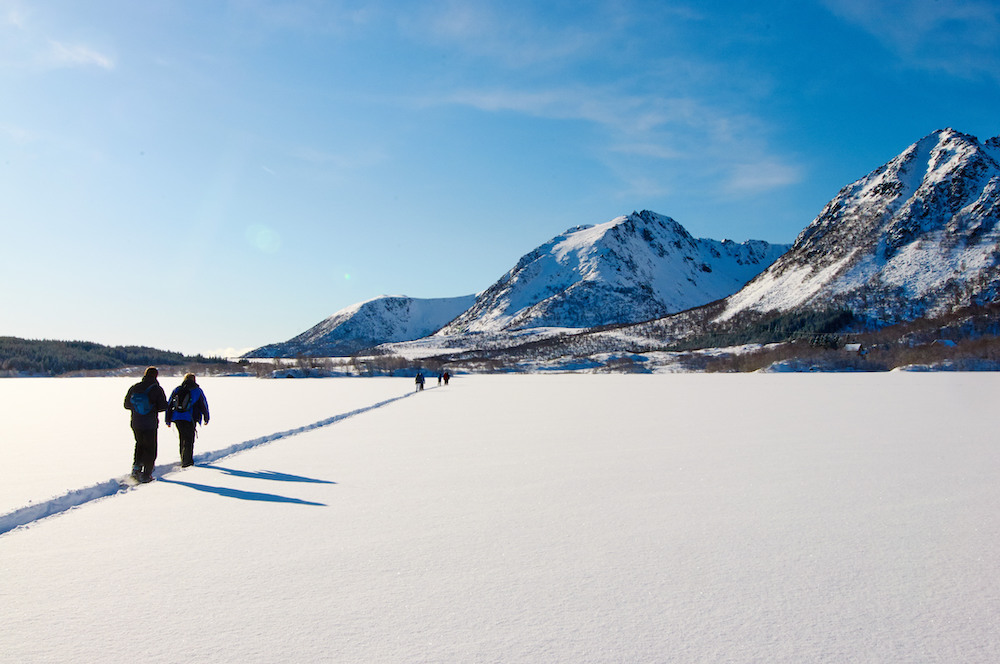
(379, 320)
(634, 267)
(913, 234)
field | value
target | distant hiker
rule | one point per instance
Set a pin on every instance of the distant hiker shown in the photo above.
(187, 408)
(146, 400)
(439, 378)
(447, 377)
(419, 381)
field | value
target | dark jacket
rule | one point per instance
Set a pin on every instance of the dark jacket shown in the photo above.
(157, 398)
(198, 410)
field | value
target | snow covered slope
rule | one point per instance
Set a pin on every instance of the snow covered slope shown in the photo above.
(380, 320)
(917, 237)
(632, 268)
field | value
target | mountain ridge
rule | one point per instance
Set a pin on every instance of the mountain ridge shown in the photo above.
(916, 236)
(634, 267)
(383, 319)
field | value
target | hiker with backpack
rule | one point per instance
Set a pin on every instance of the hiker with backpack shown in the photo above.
(187, 408)
(146, 400)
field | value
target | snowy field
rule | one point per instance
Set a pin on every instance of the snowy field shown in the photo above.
(557, 518)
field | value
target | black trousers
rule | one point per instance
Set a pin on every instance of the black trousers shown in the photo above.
(144, 458)
(185, 432)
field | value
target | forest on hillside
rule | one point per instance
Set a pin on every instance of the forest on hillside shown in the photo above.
(53, 358)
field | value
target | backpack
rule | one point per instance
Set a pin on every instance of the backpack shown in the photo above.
(180, 402)
(141, 405)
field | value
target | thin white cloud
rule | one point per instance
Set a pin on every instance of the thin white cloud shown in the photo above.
(346, 161)
(25, 45)
(652, 150)
(650, 140)
(312, 16)
(639, 184)
(76, 55)
(960, 37)
(511, 37)
(763, 176)
(628, 114)
(18, 135)
(13, 16)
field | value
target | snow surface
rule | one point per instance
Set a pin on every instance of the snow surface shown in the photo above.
(514, 518)
(781, 291)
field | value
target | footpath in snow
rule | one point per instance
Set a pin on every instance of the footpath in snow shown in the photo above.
(674, 518)
(109, 487)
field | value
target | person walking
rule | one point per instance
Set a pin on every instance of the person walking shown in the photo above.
(187, 408)
(146, 400)
(419, 380)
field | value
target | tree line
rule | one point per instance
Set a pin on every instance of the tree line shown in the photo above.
(52, 358)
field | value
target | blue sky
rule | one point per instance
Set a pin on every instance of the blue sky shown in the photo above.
(199, 175)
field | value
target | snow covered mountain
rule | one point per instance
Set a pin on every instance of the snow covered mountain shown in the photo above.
(632, 268)
(917, 237)
(380, 320)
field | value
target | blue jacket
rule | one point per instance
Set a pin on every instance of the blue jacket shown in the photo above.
(197, 412)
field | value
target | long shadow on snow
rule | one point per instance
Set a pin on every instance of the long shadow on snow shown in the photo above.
(37, 511)
(243, 495)
(268, 475)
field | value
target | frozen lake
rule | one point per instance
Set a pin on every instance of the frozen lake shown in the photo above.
(668, 518)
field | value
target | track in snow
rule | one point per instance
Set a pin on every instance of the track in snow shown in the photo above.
(36, 511)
